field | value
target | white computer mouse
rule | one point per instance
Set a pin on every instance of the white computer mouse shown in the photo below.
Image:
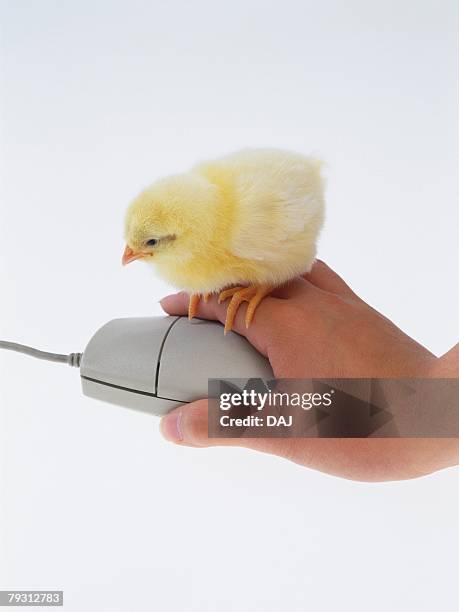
(154, 364)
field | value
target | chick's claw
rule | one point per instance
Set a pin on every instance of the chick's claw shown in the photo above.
(253, 295)
(194, 303)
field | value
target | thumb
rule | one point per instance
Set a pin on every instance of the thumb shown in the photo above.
(188, 426)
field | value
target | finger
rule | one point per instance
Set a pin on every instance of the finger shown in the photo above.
(261, 331)
(297, 287)
(325, 278)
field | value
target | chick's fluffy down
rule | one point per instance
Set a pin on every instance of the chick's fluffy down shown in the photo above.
(252, 217)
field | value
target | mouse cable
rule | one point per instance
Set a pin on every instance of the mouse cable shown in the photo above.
(74, 359)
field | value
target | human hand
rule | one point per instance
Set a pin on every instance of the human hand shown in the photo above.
(317, 327)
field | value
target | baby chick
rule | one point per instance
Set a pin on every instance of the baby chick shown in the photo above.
(238, 226)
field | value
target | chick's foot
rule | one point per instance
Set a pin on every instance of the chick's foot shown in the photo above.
(194, 303)
(253, 295)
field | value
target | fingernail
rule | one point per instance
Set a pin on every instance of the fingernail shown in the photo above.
(171, 426)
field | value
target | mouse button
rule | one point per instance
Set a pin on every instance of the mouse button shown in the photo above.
(125, 352)
(197, 350)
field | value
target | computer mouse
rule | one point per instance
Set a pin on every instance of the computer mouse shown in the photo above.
(154, 364)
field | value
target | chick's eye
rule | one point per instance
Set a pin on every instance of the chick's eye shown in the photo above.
(151, 242)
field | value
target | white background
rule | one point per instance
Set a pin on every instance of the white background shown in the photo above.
(99, 99)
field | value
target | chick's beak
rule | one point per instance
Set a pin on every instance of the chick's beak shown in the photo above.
(130, 255)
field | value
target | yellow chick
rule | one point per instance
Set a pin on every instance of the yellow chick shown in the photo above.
(238, 226)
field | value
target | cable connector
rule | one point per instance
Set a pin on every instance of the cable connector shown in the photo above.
(74, 359)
